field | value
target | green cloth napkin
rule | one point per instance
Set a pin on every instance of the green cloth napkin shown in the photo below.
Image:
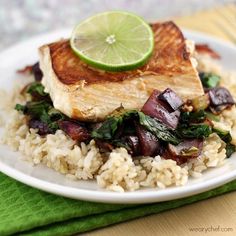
(28, 211)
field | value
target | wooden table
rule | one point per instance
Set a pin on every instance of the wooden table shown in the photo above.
(215, 216)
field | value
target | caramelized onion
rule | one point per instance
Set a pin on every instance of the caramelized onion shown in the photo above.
(171, 98)
(149, 144)
(191, 148)
(156, 108)
(38, 74)
(220, 96)
(134, 144)
(42, 127)
(74, 130)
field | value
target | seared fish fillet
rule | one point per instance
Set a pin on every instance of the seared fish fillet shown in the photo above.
(88, 94)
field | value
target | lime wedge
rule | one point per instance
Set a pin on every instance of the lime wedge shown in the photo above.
(113, 41)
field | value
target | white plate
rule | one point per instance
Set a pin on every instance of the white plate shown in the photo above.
(49, 180)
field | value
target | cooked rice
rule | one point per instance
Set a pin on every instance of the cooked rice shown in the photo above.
(120, 173)
(162, 173)
(213, 155)
(57, 150)
(116, 171)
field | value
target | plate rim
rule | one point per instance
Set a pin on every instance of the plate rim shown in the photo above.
(154, 195)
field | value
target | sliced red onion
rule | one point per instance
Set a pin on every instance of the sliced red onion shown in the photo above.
(149, 108)
(42, 127)
(171, 98)
(187, 149)
(190, 148)
(218, 109)
(38, 74)
(149, 144)
(167, 155)
(74, 130)
(134, 144)
(104, 146)
(220, 96)
(156, 108)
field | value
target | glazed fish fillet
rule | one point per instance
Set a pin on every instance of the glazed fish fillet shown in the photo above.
(88, 94)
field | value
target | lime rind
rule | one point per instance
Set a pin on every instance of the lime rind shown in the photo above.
(99, 53)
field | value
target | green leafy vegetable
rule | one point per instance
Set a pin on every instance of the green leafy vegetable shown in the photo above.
(194, 131)
(160, 130)
(111, 124)
(20, 107)
(43, 111)
(230, 149)
(53, 126)
(198, 116)
(121, 143)
(211, 116)
(191, 125)
(108, 128)
(209, 80)
(55, 114)
(38, 110)
(38, 88)
(193, 117)
(223, 134)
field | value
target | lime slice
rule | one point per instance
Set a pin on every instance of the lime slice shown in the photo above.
(113, 41)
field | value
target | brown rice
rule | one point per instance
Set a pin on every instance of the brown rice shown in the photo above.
(116, 171)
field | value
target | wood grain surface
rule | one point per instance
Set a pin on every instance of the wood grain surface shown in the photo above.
(216, 216)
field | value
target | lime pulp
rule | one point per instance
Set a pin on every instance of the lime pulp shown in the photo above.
(113, 41)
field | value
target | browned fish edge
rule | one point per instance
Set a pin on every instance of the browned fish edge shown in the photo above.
(170, 57)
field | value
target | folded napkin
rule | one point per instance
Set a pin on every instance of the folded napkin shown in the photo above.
(28, 211)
